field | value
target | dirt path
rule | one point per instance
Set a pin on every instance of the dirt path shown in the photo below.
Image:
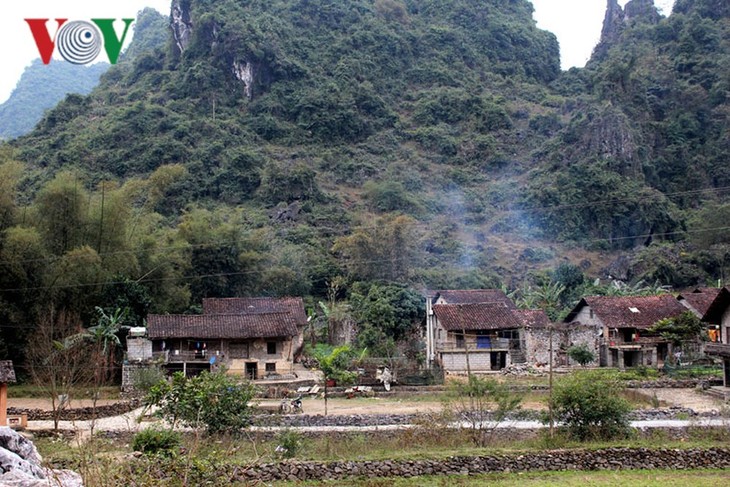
(686, 398)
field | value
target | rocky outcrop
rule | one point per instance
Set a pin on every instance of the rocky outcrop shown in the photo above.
(642, 11)
(181, 24)
(20, 465)
(616, 20)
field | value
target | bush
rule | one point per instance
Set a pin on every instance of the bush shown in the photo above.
(290, 443)
(153, 441)
(146, 378)
(214, 400)
(591, 407)
(581, 354)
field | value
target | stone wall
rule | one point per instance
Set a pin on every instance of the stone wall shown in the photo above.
(79, 414)
(606, 459)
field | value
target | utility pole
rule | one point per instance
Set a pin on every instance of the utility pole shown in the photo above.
(550, 382)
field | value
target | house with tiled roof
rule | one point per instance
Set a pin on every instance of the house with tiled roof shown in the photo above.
(719, 313)
(436, 335)
(622, 325)
(698, 301)
(255, 337)
(476, 336)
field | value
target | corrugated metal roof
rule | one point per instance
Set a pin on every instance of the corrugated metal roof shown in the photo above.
(223, 326)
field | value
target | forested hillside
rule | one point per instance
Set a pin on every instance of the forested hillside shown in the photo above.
(350, 148)
(40, 88)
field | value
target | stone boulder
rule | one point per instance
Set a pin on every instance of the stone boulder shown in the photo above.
(20, 465)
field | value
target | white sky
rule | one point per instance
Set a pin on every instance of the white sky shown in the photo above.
(576, 23)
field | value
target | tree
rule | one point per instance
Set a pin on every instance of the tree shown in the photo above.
(333, 362)
(56, 361)
(214, 400)
(386, 250)
(682, 328)
(386, 312)
(591, 407)
(581, 354)
(482, 404)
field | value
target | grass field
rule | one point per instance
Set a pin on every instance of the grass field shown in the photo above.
(643, 478)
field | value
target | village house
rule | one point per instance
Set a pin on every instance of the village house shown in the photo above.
(698, 302)
(255, 337)
(621, 325)
(719, 313)
(456, 296)
(484, 328)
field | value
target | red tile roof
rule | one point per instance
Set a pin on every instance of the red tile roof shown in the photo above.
(533, 318)
(630, 311)
(476, 316)
(464, 296)
(700, 299)
(234, 306)
(261, 325)
(718, 307)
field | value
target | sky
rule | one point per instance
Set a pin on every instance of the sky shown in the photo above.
(576, 23)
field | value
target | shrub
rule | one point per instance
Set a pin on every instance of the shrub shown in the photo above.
(146, 378)
(482, 404)
(591, 407)
(214, 400)
(153, 441)
(289, 443)
(581, 354)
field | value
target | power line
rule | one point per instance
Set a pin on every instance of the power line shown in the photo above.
(346, 263)
(223, 243)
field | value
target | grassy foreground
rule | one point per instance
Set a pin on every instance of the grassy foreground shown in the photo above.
(644, 478)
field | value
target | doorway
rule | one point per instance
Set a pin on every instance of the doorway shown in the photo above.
(252, 370)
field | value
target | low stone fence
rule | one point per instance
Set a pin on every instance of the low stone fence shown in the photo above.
(79, 414)
(297, 420)
(605, 459)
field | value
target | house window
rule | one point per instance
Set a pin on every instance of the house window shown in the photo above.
(459, 341)
(271, 368)
(591, 313)
(271, 348)
(484, 341)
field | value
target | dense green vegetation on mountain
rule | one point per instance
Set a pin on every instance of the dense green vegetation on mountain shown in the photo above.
(40, 88)
(278, 147)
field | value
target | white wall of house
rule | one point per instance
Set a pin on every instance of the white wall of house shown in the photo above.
(479, 361)
(139, 349)
(725, 326)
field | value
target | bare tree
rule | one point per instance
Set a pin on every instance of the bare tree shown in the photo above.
(55, 361)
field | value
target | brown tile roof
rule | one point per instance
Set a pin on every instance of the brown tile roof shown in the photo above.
(7, 372)
(234, 306)
(700, 299)
(533, 318)
(616, 311)
(476, 316)
(718, 307)
(464, 296)
(261, 325)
